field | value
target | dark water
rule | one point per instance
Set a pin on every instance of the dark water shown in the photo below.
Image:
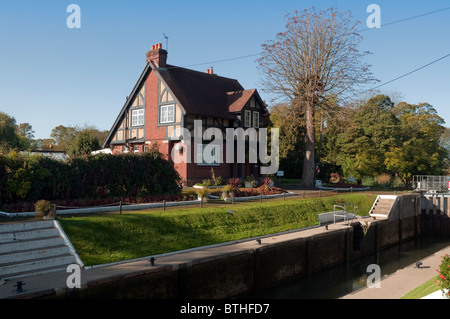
(342, 280)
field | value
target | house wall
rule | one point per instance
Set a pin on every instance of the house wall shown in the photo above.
(152, 95)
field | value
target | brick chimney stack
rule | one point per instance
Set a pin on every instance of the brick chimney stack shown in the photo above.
(158, 55)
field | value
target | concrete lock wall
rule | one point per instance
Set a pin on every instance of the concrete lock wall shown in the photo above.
(232, 275)
(269, 264)
(435, 219)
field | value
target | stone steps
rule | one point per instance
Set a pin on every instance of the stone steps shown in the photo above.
(33, 248)
(382, 207)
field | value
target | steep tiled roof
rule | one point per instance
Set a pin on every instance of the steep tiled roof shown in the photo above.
(200, 93)
(236, 100)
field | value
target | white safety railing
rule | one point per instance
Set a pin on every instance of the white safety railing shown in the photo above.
(343, 212)
(429, 183)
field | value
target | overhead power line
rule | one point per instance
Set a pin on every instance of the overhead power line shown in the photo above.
(384, 25)
(224, 60)
(407, 19)
(418, 69)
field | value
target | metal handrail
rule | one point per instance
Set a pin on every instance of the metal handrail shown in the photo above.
(344, 207)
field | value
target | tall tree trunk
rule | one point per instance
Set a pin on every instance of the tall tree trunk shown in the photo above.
(309, 161)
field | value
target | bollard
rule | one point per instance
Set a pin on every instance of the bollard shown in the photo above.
(201, 202)
(164, 205)
(260, 198)
(19, 286)
(120, 207)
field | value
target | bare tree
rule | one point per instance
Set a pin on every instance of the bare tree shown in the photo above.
(316, 58)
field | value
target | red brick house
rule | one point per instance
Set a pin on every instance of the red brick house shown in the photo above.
(167, 99)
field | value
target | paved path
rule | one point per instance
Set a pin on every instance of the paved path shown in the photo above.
(402, 281)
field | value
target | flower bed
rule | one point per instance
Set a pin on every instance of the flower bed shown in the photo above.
(247, 192)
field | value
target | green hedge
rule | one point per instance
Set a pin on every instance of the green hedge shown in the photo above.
(25, 178)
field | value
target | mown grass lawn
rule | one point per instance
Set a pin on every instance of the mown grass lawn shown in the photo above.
(423, 290)
(108, 238)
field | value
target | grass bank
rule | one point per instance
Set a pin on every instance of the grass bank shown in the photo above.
(423, 290)
(108, 238)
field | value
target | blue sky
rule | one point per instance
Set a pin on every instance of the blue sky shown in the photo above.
(52, 75)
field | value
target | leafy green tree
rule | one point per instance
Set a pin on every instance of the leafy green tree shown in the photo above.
(64, 137)
(26, 130)
(8, 132)
(292, 131)
(84, 143)
(26, 135)
(371, 132)
(421, 151)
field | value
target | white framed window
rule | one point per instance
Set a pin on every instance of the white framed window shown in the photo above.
(137, 117)
(167, 113)
(247, 118)
(255, 119)
(208, 155)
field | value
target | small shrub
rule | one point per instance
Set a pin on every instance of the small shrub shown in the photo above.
(43, 208)
(218, 181)
(368, 181)
(383, 179)
(335, 178)
(266, 182)
(234, 183)
(443, 280)
(202, 192)
(206, 182)
(398, 183)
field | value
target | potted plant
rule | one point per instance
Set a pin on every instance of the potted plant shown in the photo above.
(250, 182)
(44, 209)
